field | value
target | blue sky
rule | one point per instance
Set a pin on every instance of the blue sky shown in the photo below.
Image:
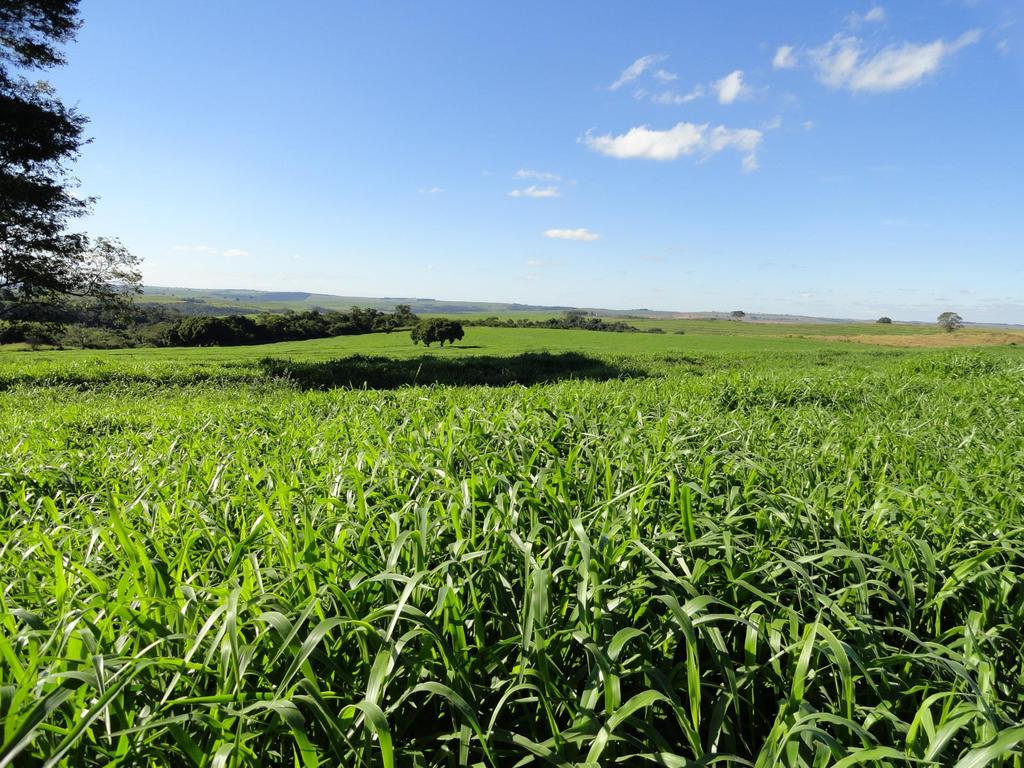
(839, 159)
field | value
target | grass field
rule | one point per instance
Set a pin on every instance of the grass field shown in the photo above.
(668, 550)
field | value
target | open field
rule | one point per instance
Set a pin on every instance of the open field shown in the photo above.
(669, 550)
(242, 362)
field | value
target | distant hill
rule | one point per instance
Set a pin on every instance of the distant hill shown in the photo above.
(233, 299)
(223, 301)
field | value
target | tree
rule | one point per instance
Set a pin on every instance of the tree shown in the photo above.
(404, 316)
(950, 321)
(416, 334)
(738, 314)
(437, 329)
(450, 331)
(42, 264)
(884, 320)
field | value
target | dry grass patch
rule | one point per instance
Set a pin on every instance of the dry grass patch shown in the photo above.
(933, 340)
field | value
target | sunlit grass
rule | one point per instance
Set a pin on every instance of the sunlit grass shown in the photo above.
(778, 559)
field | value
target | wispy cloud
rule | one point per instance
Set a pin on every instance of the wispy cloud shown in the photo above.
(785, 57)
(664, 76)
(840, 63)
(526, 173)
(730, 87)
(874, 16)
(431, 190)
(637, 68)
(674, 98)
(682, 139)
(534, 191)
(582, 234)
(235, 253)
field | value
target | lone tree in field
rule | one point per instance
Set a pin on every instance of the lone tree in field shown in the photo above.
(738, 314)
(437, 329)
(950, 321)
(42, 264)
(884, 320)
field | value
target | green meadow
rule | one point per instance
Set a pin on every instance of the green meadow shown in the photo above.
(538, 547)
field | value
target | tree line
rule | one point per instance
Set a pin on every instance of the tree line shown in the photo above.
(572, 320)
(237, 330)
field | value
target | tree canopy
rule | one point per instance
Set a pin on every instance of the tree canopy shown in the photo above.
(950, 321)
(42, 263)
(437, 329)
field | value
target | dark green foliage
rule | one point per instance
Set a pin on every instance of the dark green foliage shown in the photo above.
(437, 329)
(28, 332)
(365, 372)
(34, 30)
(572, 320)
(235, 330)
(404, 316)
(884, 320)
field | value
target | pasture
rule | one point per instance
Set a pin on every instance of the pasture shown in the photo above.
(668, 550)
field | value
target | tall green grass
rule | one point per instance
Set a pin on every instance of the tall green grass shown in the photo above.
(819, 562)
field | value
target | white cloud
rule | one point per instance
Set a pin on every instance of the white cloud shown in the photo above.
(677, 141)
(526, 173)
(665, 76)
(840, 65)
(808, 125)
(1003, 47)
(784, 57)
(431, 191)
(876, 14)
(730, 87)
(572, 234)
(773, 124)
(749, 163)
(682, 139)
(673, 98)
(235, 253)
(536, 263)
(637, 68)
(534, 191)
